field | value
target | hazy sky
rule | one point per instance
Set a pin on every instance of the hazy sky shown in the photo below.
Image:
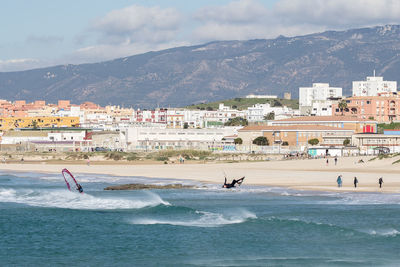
(49, 32)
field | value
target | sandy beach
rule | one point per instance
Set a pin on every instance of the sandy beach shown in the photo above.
(312, 174)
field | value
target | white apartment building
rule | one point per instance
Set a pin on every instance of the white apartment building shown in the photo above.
(373, 86)
(323, 107)
(153, 138)
(219, 117)
(318, 91)
(258, 111)
(262, 96)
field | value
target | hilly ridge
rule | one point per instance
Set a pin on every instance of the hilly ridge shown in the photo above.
(217, 70)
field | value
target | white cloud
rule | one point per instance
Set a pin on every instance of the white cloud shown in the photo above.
(102, 52)
(339, 13)
(129, 31)
(18, 64)
(249, 19)
(138, 24)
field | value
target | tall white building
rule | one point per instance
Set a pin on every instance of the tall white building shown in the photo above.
(258, 111)
(318, 91)
(373, 86)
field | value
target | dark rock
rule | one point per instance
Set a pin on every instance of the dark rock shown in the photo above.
(147, 186)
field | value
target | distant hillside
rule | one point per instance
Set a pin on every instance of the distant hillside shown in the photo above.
(244, 103)
(218, 70)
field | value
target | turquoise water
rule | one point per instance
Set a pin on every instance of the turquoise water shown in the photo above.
(43, 224)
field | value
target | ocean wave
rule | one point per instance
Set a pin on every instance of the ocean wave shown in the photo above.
(383, 232)
(204, 219)
(363, 199)
(72, 200)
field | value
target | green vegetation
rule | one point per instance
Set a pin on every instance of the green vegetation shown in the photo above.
(244, 103)
(270, 116)
(238, 141)
(261, 141)
(346, 142)
(342, 105)
(388, 126)
(238, 121)
(313, 141)
(285, 143)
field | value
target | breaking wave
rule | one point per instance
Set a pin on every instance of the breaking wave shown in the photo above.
(203, 219)
(71, 200)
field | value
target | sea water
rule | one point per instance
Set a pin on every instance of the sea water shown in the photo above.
(44, 224)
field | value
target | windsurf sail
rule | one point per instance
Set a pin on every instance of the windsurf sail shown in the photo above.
(71, 181)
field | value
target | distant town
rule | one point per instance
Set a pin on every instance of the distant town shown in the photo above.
(325, 124)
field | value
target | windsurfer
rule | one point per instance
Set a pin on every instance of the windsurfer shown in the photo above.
(79, 188)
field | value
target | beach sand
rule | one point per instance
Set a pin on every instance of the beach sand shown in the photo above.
(313, 174)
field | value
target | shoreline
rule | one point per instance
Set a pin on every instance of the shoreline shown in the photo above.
(302, 174)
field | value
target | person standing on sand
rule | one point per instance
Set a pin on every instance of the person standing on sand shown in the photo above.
(327, 162)
(380, 182)
(335, 161)
(339, 181)
(355, 182)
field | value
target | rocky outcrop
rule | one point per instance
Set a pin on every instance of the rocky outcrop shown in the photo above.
(147, 186)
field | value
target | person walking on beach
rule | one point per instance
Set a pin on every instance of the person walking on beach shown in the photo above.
(327, 162)
(335, 161)
(355, 182)
(380, 182)
(339, 181)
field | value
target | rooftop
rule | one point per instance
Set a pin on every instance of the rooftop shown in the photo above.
(292, 128)
(325, 119)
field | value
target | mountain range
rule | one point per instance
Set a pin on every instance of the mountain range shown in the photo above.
(217, 70)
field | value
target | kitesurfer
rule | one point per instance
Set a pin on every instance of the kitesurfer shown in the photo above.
(79, 188)
(234, 182)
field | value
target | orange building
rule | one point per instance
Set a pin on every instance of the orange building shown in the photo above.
(383, 108)
(357, 125)
(63, 104)
(294, 135)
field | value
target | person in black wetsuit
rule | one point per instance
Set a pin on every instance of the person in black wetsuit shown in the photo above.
(234, 182)
(79, 188)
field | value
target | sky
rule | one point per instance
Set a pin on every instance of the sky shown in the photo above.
(44, 33)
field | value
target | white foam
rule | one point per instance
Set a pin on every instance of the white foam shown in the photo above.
(71, 200)
(383, 232)
(364, 199)
(205, 219)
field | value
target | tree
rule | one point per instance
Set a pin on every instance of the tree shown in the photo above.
(342, 105)
(238, 121)
(270, 116)
(209, 108)
(185, 125)
(313, 141)
(346, 142)
(261, 141)
(285, 143)
(238, 141)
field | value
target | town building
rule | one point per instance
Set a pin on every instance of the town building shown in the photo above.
(8, 123)
(262, 96)
(159, 138)
(383, 108)
(357, 125)
(323, 107)
(371, 144)
(293, 136)
(318, 91)
(257, 112)
(373, 86)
